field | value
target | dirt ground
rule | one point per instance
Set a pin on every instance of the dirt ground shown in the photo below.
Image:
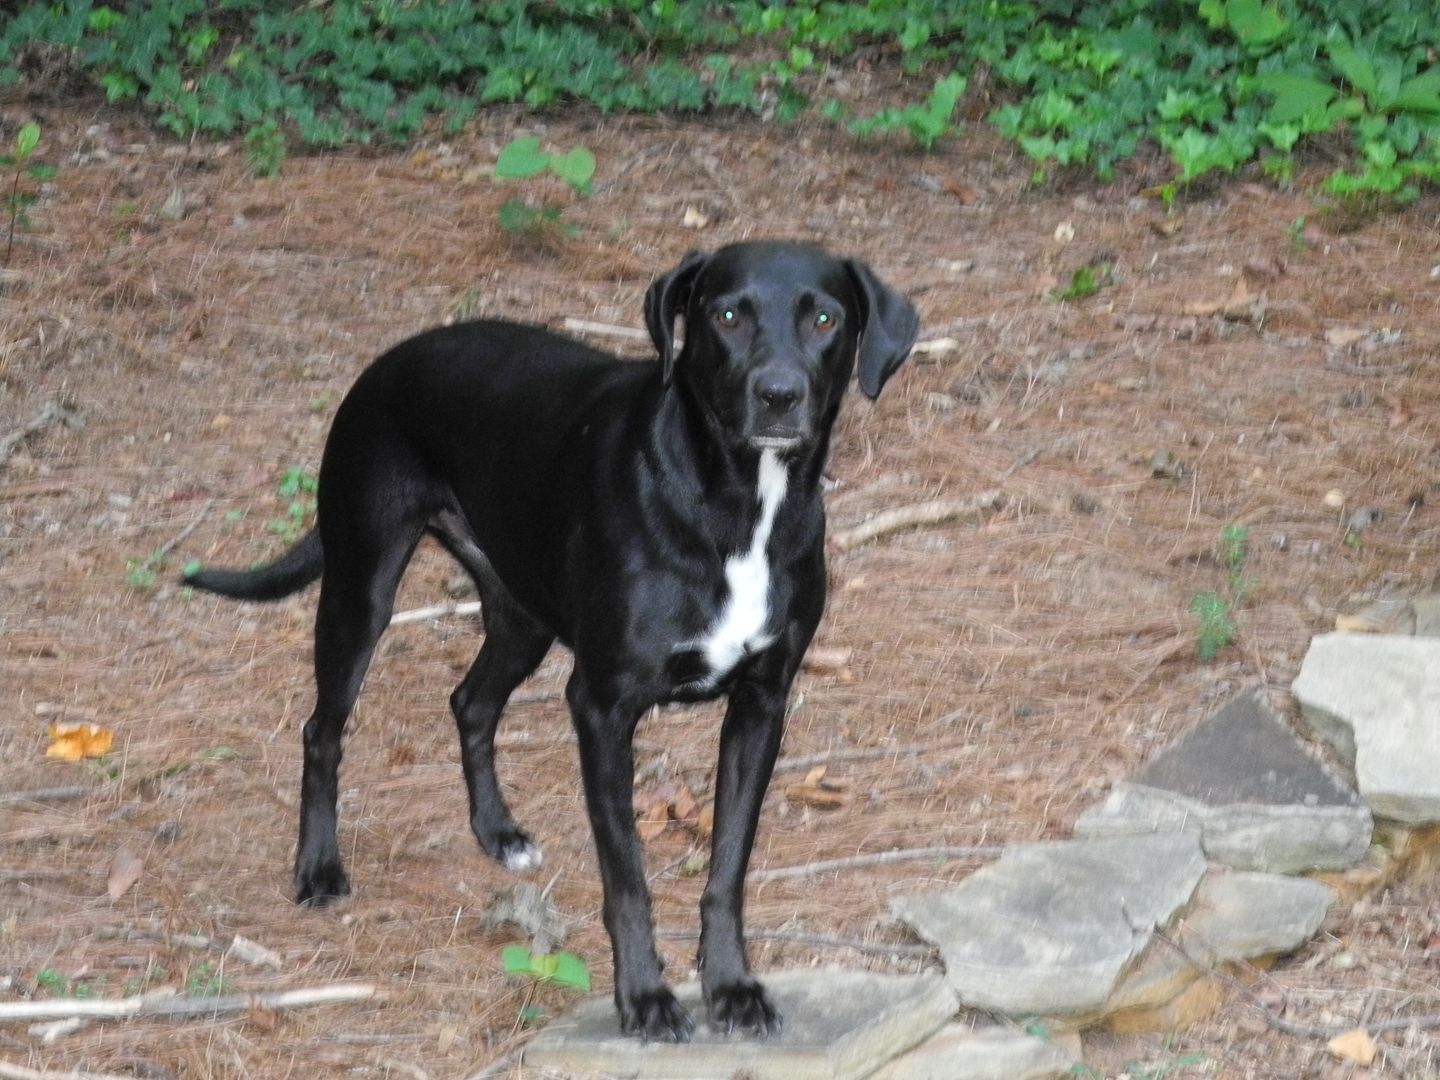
(201, 326)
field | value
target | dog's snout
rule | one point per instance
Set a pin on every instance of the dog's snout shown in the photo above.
(780, 390)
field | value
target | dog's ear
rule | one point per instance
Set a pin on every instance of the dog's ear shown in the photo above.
(888, 328)
(666, 298)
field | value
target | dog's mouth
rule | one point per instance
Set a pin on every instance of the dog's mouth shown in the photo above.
(775, 442)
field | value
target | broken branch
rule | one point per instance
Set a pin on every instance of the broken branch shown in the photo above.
(10, 1071)
(435, 611)
(934, 512)
(171, 1007)
(881, 858)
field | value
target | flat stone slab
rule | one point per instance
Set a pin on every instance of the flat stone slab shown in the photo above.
(1420, 615)
(957, 1052)
(1236, 915)
(1376, 698)
(839, 1025)
(1049, 927)
(1242, 782)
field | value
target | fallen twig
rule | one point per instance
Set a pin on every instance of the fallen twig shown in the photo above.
(47, 794)
(51, 412)
(584, 326)
(879, 858)
(35, 874)
(10, 1071)
(864, 753)
(435, 611)
(818, 941)
(172, 1007)
(1291, 1027)
(160, 554)
(935, 512)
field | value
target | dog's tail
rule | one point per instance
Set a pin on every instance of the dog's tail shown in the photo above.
(298, 567)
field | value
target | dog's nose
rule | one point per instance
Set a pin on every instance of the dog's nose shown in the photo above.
(780, 390)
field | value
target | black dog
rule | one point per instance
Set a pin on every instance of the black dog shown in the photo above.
(664, 521)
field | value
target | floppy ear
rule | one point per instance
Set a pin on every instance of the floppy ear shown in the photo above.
(667, 296)
(887, 331)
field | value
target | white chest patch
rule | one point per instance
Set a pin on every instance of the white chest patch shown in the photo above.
(741, 624)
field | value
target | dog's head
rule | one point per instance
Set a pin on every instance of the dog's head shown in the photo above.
(772, 334)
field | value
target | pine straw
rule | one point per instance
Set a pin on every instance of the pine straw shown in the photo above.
(1049, 649)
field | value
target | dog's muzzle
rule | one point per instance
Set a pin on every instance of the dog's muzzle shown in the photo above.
(778, 409)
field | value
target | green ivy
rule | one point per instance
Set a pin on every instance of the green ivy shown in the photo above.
(1215, 84)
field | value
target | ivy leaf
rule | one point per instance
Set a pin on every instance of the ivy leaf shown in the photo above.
(570, 970)
(1295, 95)
(27, 140)
(517, 960)
(1420, 94)
(575, 168)
(1357, 67)
(521, 158)
(1254, 22)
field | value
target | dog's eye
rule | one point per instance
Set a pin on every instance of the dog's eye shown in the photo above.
(824, 322)
(727, 317)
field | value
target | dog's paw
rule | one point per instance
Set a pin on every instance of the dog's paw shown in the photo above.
(514, 850)
(655, 1016)
(320, 886)
(743, 1006)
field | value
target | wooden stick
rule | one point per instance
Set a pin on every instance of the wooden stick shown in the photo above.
(145, 1005)
(864, 753)
(50, 412)
(935, 512)
(156, 557)
(584, 326)
(819, 941)
(1290, 1027)
(435, 611)
(879, 858)
(45, 794)
(11, 1071)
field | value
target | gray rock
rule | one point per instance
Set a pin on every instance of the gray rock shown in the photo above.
(1376, 698)
(957, 1052)
(1235, 916)
(1245, 785)
(1049, 927)
(1427, 615)
(838, 1025)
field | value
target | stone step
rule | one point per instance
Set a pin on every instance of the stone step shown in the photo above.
(1243, 782)
(839, 1025)
(1050, 927)
(1376, 698)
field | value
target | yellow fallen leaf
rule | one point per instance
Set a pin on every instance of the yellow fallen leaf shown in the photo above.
(71, 742)
(1354, 1045)
(125, 870)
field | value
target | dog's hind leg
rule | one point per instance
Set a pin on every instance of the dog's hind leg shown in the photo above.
(363, 565)
(514, 646)
(515, 643)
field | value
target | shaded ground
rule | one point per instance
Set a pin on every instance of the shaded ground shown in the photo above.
(1035, 657)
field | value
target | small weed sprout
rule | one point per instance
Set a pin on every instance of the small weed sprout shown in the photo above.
(523, 158)
(300, 486)
(18, 161)
(1216, 611)
(265, 149)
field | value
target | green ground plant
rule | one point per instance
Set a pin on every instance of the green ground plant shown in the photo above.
(1216, 85)
(524, 158)
(561, 968)
(299, 486)
(18, 161)
(1216, 610)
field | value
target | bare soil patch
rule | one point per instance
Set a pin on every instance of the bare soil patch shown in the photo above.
(1036, 657)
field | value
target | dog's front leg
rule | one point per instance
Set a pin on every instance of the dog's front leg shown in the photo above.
(605, 732)
(749, 743)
